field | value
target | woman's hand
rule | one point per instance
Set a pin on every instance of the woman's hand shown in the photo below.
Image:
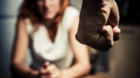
(54, 71)
(50, 71)
(44, 73)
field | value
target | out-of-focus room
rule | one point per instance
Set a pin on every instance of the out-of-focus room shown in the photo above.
(121, 61)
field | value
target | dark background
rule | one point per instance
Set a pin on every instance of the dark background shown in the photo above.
(129, 11)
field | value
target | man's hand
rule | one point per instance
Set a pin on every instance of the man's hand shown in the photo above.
(95, 14)
(116, 32)
(109, 33)
(113, 20)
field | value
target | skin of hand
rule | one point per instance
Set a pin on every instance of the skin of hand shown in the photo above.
(112, 33)
(113, 20)
(50, 71)
(109, 32)
(116, 32)
(44, 73)
(94, 15)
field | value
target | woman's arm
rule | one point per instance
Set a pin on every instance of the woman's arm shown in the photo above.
(82, 65)
(18, 68)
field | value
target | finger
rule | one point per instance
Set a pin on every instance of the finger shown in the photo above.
(55, 75)
(44, 71)
(114, 15)
(52, 68)
(107, 28)
(116, 30)
(46, 64)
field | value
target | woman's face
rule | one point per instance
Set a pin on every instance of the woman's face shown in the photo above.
(48, 8)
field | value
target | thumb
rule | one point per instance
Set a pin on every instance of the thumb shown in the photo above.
(106, 28)
(116, 30)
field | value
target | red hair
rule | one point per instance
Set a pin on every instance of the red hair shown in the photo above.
(28, 10)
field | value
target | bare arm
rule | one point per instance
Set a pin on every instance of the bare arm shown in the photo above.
(19, 69)
(82, 65)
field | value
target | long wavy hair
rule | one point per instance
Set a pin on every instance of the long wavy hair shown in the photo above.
(29, 10)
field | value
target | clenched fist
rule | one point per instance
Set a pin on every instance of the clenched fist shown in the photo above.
(98, 26)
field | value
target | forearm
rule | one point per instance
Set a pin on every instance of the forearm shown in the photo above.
(76, 71)
(23, 71)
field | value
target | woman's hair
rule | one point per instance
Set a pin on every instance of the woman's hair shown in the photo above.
(29, 9)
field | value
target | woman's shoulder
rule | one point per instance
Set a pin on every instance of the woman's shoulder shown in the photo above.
(28, 25)
(70, 14)
(72, 11)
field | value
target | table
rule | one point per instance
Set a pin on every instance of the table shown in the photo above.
(98, 76)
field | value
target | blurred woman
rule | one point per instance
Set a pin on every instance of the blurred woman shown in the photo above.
(48, 28)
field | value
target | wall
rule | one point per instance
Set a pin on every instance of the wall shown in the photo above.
(8, 12)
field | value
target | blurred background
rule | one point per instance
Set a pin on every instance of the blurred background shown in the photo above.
(122, 61)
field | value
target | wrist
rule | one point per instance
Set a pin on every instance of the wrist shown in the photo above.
(38, 75)
(63, 74)
(34, 74)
